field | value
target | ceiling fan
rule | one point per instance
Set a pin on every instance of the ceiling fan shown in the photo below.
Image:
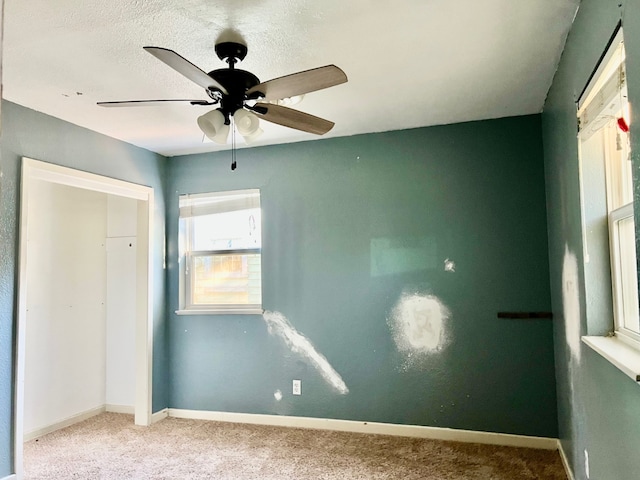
(241, 95)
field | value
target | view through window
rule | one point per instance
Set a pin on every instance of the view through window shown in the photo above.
(221, 242)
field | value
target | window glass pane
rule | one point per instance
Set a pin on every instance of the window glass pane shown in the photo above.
(629, 278)
(240, 229)
(233, 279)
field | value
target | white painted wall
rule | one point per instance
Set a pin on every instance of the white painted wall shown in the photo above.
(121, 302)
(81, 304)
(122, 216)
(65, 324)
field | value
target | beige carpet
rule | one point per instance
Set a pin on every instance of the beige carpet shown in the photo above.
(109, 446)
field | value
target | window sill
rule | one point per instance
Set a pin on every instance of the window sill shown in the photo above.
(222, 311)
(618, 352)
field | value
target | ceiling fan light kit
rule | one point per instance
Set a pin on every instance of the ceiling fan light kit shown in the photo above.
(241, 95)
(248, 125)
(213, 125)
(287, 102)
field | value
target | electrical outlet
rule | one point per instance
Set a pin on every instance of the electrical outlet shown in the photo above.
(297, 387)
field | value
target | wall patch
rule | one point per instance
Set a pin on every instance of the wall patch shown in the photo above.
(417, 323)
(278, 325)
(449, 265)
(571, 302)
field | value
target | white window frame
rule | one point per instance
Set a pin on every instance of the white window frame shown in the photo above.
(615, 216)
(202, 204)
(603, 92)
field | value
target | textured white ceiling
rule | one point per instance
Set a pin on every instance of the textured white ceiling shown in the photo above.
(410, 63)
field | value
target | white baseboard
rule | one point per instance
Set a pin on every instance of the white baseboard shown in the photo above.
(160, 415)
(80, 417)
(67, 422)
(10, 477)
(128, 409)
(565, 462)
(435, 433)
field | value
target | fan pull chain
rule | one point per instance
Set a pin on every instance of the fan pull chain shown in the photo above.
(233, 144)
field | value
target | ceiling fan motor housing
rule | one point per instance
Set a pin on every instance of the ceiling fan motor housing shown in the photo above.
(236, 82)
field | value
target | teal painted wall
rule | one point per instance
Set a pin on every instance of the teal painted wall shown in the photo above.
(351, 223)
(31, 134)
(598, 406)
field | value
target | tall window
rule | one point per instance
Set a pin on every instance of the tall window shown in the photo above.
(605, 157)
(220, 236)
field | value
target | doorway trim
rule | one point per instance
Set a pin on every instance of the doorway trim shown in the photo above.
(35, 170)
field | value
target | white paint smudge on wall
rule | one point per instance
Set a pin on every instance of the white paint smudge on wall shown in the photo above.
(298, 343)
(418, 326)
(277, 395)
(449, 265)
(571, 302)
